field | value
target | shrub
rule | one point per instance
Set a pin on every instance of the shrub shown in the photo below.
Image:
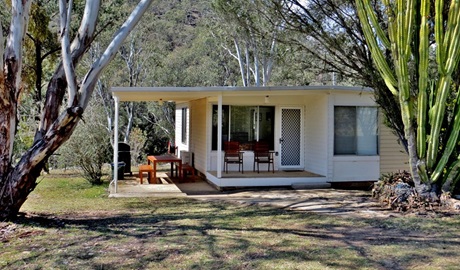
(89, 147)
(137, 141)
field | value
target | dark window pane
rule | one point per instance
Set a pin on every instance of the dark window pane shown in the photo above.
(267, 125)
(184, 125)
(243, 123)
(355, 130)
(225, 125)
(367, 131)
(344, 130)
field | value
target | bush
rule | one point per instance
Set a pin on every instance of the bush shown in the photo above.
(89, 146)
(137, 141)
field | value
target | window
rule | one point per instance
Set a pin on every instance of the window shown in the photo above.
(245, 124)
(184, 126)
(355, 131)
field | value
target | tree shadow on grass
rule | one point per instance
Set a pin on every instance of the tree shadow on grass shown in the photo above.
(222, 235)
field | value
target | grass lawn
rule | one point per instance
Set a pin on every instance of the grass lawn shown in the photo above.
(68, 224)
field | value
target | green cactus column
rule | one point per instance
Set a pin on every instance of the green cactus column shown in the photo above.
(431, 127)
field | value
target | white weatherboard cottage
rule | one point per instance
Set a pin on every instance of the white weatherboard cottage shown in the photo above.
(319, 134)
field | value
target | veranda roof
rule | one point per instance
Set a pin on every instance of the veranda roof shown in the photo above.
(184, 94)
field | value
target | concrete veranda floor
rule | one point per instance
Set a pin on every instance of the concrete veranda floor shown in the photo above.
(326, 201)
(169, 186)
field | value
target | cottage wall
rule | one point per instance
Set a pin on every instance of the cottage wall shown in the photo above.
(393, 157)
(315, 138)
(198, 133)
(318, 138)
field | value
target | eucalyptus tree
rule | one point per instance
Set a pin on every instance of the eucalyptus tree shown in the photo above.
(133, 65)
(134, 60)
(59, 119)
(423, 40)
(250, 37)
(184, 54)
(89, 147)
(41, 49)
(327, 38)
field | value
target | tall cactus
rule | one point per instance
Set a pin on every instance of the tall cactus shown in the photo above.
(431, 132)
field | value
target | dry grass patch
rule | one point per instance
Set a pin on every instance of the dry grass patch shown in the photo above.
(68, 224)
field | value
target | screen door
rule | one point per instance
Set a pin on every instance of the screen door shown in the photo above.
(290, 141)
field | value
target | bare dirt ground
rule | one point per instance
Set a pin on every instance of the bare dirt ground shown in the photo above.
(356, 203)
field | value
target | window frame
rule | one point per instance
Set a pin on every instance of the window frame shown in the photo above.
(227, 129)
(184, 125)
(356, 128)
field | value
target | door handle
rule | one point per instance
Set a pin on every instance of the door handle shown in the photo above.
(281, 140)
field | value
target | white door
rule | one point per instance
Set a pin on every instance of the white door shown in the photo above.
(291, 138)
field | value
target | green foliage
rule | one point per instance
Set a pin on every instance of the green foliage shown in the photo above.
(89, 147)
(5, 16)
(42, 50)
(24, 137)
(159, 124)
(28, 118)
(195, 64)
(324, 37)
(171, 47)
(326, 46)
(429, 111)
(251, 36)
(137, 141)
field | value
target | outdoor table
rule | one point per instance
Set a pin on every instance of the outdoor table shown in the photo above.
(165, 159)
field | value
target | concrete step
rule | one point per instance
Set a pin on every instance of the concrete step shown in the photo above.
(150, 194)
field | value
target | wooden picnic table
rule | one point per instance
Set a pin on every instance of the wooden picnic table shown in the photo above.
(165, 159)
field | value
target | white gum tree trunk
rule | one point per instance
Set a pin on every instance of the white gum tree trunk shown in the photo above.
(56, 125)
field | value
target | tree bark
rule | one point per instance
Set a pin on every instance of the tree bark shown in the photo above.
(10, 87)
(55, 128)
(130, 112)
(21, 180)
(240, 62)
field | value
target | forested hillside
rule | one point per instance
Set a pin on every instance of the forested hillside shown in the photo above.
(192, 43)
(178, 43)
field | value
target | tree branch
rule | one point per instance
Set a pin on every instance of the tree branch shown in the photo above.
(91, 77)
(13, 51)
(58, 84)
(2, 51)
(65, 15)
